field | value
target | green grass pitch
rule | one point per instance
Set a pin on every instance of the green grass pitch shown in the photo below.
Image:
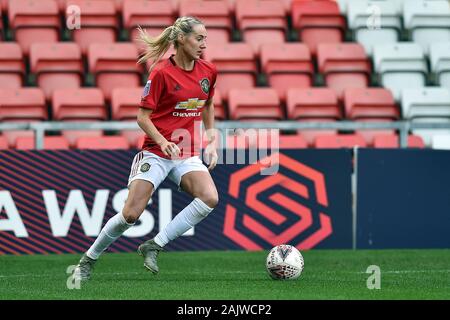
(231, 275)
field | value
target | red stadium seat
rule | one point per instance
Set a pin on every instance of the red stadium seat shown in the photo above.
(292, 142)
(219, 108)
(12, 68)
(56, 66)
(236, 65)
(3, 143)
(34, 21)
(125, 103)
(370, 103)
(344, 66)
(11, 136)
(134, 137)
(72, 136)
(102, 143)
(392, 141)
(310, 135)
(339, 141)
(257, 103)
(99, 23)
(369, 134)
(287, 66)
(154, 16)
(313, 103)
(22, 104)
(114, 66)
(214, 14)
(318, 22)
(50, 143)
(261, 22)
(79, 104)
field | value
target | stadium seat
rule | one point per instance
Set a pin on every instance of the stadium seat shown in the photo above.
(50, 143)
(102, 143)
(392, 141)
(370, 103)
(310, 135)
(79, 104)
(12, 68)
(339, 141)
(3, 143)
(318, 22)
(261, 22)
(428, 21)
(72, 136)
(344, 66)
(154, 16)
(440, 62)
(292, 142)
(114, 66)
(257, 103)
(134, 138)
(314, 103)
(22, 104)
(56, 66)
(401, 65)
(370, 134)
(214, 14)
(235, 64)
(441, 142)
(428, 134)
(98, 24)
(386, 26)
(426, 102)
(34, 21)
(220, 111)
(125, 103)
(287, 66)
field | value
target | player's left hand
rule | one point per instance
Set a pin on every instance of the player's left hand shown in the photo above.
(211, 156)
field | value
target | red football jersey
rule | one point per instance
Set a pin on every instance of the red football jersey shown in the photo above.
(177, 98)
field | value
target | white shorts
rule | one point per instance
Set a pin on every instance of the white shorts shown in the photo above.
(151, 167)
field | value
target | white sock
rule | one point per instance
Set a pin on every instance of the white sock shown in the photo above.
(112, 230)
(195, 212)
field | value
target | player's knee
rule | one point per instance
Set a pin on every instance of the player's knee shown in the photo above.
(211, 199)
(131, 215)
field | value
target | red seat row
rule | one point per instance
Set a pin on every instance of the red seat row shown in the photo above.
(285, 142)
(260, 22)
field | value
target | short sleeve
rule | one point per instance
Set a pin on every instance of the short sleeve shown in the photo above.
(213, 83)
(152, 90)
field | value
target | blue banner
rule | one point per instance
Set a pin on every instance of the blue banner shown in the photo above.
(403, 199)
(58, 201)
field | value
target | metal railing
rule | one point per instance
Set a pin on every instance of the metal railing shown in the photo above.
(403, 127)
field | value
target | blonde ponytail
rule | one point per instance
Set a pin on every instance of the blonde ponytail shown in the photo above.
(158, 46)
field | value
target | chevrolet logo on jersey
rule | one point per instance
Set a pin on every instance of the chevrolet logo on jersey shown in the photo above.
(191, 104)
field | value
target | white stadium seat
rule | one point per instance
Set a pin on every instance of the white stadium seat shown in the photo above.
(429, 105)
(440, 62)
(441, 141)
(426, 102)
(400, 66)
(384, 19)
(428, 21)
(428, 134)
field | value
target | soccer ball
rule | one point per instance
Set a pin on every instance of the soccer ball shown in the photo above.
(284, 262)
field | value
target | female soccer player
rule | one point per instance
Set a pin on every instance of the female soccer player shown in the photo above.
(178, 95)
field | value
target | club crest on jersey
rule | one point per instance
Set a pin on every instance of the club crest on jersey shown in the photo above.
(204, 84)
(147, 89)
(145, 167)
(192, 104)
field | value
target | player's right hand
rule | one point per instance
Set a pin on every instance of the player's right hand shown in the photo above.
(170, 149)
